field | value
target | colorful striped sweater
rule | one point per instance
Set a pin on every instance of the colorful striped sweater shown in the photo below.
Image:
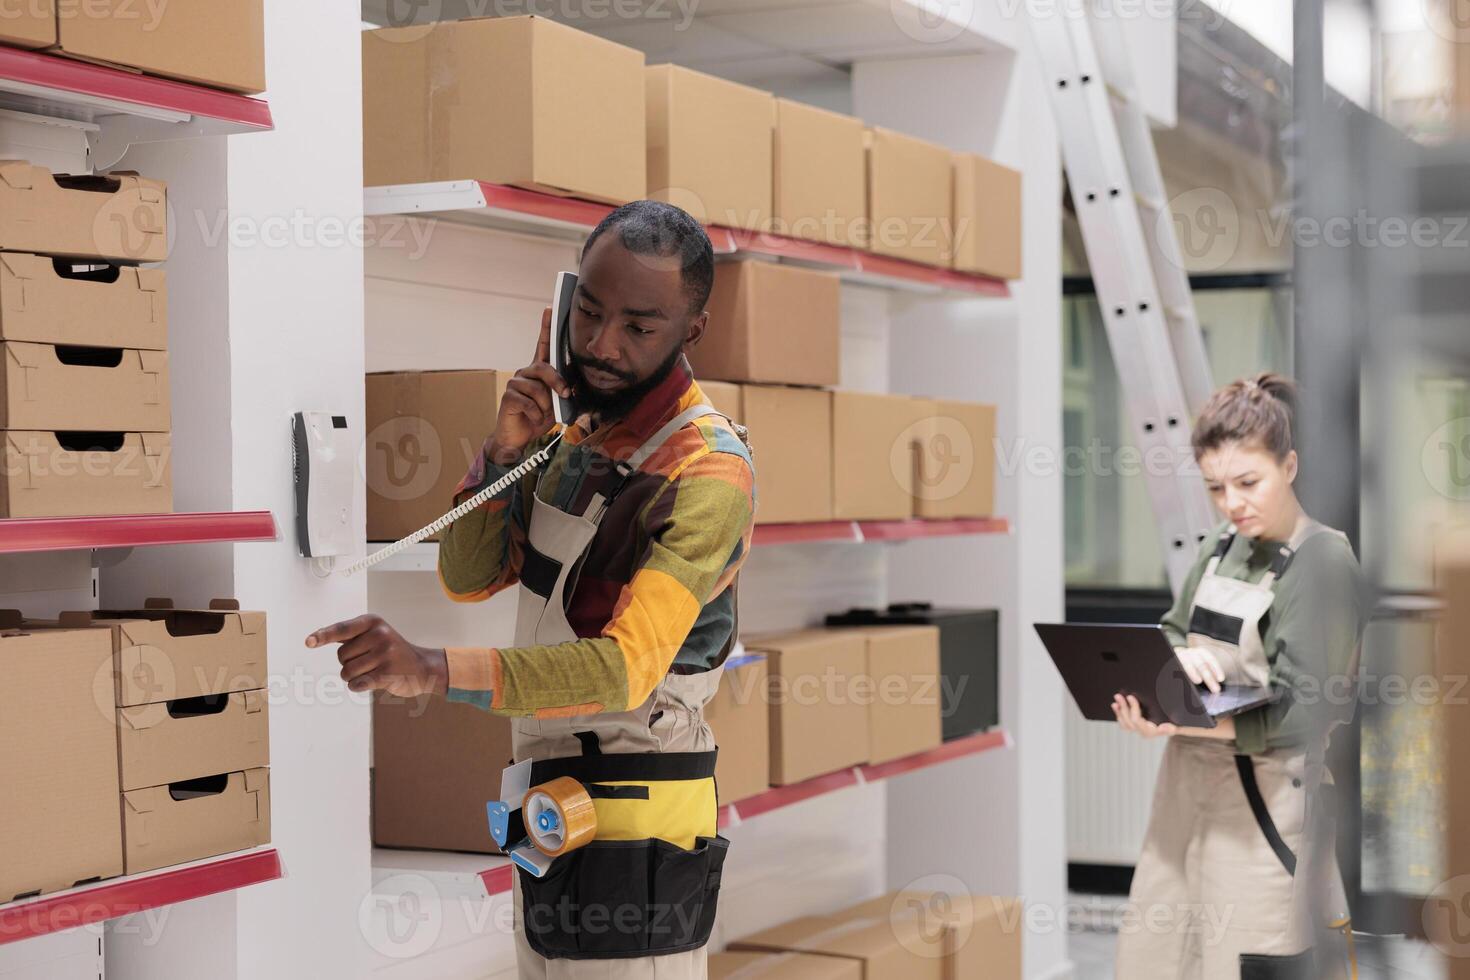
(655, 593)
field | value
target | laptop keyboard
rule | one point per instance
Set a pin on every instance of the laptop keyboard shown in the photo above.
(1231, 698)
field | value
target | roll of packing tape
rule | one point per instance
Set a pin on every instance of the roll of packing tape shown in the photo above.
(559, 816)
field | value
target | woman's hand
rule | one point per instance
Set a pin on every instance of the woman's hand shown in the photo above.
(1130, 718)
(1201, 666)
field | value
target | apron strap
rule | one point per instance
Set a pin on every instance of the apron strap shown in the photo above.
(656, 441)
(1247, 770)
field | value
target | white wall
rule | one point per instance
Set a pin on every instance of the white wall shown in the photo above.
(266, 322)
(995, 822)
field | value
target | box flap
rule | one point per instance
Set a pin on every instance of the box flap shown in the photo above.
(254, 702)
(24, 266)
(255, 779)
(156, 443)
(251, 622)
(232, 605)
(143, 800)
(74, 619)
(18, 174)
(158, 603)
(29, 355)
(153, 361)
(149, 280)
(143, 716)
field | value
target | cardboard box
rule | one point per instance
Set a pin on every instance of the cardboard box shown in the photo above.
(161, 653)
(904, 708)
(987, 217)
(58, 811)
(86, 474)
(981, 933)
(110, 389)
(103, 216)
(201, 41)
(875, 440)
(725, 397)
(425, 429)
(436, 764)
(194, 819)
(510, 100)
(956, 460)
(771, 323)
(910, 198)
(740, 716)
(819, 189)
(187, 738)
(782, 966)
(709, 146)
(31, 24)
(47, 301)
(818, 720)
(883, 949)
(792, 452)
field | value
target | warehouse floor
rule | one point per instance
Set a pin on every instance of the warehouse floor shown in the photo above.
(1092, 945)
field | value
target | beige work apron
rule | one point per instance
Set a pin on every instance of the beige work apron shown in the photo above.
(670, 720)
(1212, 897)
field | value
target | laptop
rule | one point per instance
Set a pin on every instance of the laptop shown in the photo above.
(1098, 660)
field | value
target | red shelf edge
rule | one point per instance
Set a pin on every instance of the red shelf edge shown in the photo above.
(958, 749)
(929, 528)
(99, 81)
(726, 240)
(498, 880)
(127, 895)
(35, 534)
(878, 530)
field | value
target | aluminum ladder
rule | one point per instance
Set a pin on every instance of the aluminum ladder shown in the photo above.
(1137, 269)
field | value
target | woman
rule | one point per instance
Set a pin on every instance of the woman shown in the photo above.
(1238, 876)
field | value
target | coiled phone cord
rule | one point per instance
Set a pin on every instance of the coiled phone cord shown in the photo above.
(538, 458)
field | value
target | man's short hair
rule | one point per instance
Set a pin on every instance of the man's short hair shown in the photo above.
(657, 228)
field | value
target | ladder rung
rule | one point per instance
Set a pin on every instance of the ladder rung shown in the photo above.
(1119, 96)
(1153, 205)
(1178, 312)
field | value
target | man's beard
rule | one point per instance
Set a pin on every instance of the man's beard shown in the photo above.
(612, 405)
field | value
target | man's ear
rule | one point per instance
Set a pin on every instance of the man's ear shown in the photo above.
(695, 333)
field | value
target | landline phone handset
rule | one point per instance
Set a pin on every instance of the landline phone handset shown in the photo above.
(562, 413)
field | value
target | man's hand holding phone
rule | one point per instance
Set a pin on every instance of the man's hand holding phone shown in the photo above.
(525, 411)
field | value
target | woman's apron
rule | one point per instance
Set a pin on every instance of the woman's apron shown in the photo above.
(1238, 877)
(639, 900)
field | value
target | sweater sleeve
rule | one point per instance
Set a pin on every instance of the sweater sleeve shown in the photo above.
(480, 554)
(1312, 643)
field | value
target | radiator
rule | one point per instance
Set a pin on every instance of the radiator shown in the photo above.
(1110, 785)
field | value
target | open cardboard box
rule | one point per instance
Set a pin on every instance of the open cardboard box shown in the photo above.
(161, 653)
(188, 738)
(194, 819)
(86, 474)
(109, 389)
(58, 772)
(118, 216)
(56, 301)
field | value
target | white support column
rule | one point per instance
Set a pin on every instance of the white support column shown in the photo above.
(995, 822)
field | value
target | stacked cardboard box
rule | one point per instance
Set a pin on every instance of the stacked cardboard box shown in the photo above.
(84, 389)
(906, 936)
(435, 765)
(192, 749)
(202, 41)
(425, 429)
(511, 100)
(58, 811)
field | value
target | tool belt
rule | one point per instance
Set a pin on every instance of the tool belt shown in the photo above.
(648, 882)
